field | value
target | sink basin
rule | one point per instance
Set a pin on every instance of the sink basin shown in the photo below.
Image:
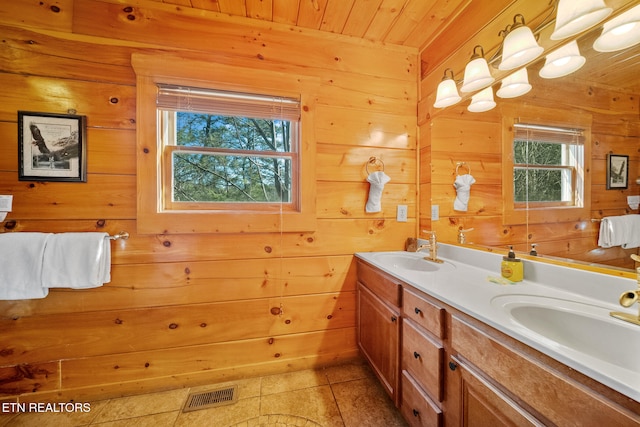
(585, 328)
(409, 261)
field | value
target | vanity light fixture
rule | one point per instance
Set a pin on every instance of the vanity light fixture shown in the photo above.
(575, 16)
(476, 73)
(563, 61)
(515, 84)
(519, 46)
(482, 101)
(621, 32)
(447, 91)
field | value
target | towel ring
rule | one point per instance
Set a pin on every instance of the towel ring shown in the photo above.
(464, 164)
(373, 161)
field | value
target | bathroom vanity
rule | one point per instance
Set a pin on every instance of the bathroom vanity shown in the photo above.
(453, 347)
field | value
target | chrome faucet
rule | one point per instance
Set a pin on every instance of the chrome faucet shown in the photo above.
(432, 246)
(628, 298)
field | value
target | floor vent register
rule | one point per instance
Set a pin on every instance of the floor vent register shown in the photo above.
(211, 399)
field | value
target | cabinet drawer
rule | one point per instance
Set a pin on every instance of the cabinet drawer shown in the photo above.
(423, 312)
(416, 408)
(384, 286)
(423, 357)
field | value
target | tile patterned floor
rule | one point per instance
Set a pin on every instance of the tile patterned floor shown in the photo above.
(341, 396)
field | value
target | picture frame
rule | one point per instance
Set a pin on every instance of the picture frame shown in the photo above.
(52, 147)
(617, 171)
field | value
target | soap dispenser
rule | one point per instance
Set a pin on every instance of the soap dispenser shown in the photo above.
(512, 267)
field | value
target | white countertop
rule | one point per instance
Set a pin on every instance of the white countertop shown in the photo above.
(463, 283)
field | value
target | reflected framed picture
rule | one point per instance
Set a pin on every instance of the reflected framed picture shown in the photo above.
(617, 171)
(52, 147)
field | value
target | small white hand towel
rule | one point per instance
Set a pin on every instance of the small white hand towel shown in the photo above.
(462, 185)
(21, 257)
(377, 180)
(623, 230)
(77, 260)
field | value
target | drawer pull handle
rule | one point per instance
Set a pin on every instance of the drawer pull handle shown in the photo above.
(415, 413)
(416, 354)
(394, 318)
(417, 310)
(453, 366)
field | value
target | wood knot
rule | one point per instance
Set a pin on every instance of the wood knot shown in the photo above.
(329, 317)
(173, 325)
(100, 223)
(114, 100)
(55, 9)
(128, 9)
(147, 364)
(131, 17)
(11, 224)
(268, 249)
(271, 341)
(275, 311)
(118, 322)
(288, 321)
(166, 243)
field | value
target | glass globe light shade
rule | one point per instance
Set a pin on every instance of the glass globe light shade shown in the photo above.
(476, 75)
(515, 85)
(563, 61)
(447, 94)
(482, 101)
(621, 32)
(575, 16)
(519, 48)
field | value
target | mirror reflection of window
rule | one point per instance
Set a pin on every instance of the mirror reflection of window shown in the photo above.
(547, 166)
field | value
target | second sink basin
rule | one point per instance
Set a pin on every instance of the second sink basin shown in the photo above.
(410, 261)
(582, 327)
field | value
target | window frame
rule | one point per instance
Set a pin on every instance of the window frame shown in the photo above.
(515, 213)
(152, 218)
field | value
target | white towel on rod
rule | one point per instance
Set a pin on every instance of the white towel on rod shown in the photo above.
(623, 230)
(21, 256)
(77, 260)
(462, 185)
(377, 180)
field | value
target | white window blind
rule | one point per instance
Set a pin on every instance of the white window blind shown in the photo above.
(184, 98)
(560, 135)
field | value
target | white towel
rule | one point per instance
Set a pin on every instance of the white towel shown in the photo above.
(623, 230)
(462, 185)
(21, 257)
(377, 180)
(77, 260)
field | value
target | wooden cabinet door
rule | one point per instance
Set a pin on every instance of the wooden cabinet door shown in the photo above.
(483, 405)
(378, 338)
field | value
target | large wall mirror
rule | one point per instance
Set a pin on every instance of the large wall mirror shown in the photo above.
(603, 99)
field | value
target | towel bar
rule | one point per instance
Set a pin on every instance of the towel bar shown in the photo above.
(122, 235)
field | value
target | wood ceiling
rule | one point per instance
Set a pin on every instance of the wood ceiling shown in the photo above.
(410, 23)
(446, 24)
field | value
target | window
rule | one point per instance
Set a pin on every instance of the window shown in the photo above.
(226, 150)
(548, 165)
(223, 149)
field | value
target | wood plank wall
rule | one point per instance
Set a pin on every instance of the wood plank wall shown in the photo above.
(191, 309)
(456, 135)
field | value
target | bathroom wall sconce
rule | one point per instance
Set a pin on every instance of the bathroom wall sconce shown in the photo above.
(563, 61)
(574, 16)
(476, 74)
(447, 94)
(621, 32)
(482, 101)
(519, 46)
(515, 85)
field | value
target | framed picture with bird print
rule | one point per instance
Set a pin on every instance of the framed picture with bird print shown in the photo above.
(52, 147)
(617, 171)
